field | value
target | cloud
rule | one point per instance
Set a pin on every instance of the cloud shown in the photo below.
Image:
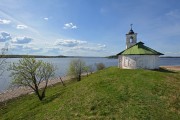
(46, 18)
(70, 43)
(172, 53)
(32, 48)
(4, 36)
(25, 48)
(3, 21)
(174, 13)
(21, 27)
(14, 20)
(69, 26)
(54, 50)
(95, 49)
(22, 40)
(101, 46)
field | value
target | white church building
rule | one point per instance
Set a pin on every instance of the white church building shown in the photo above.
(137, 55)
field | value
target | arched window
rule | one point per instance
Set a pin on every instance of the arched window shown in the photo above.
(131, 39)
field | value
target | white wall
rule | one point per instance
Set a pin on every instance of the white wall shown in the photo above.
(128, 42)
(139, 61)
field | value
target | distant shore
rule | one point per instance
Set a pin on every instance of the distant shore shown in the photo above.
(62, 56)
(43, 56)
(170, 57)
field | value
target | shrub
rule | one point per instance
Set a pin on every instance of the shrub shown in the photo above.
(100, 66)
(76, 68)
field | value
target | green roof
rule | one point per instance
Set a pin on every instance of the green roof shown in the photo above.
(139, 49)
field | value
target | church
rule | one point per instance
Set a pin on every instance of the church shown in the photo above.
(137, 55)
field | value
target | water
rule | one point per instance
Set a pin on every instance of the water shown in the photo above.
(169, 61)
(62, 65)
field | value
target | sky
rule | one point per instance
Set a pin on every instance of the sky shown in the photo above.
(88, 27)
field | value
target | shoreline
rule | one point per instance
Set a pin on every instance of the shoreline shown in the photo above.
(173, 68)
(23, 90)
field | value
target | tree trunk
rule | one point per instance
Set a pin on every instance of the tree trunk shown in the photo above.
(79, 77)
(44, 90)
(62, 81)
(39, 96)
(37, 90)
(43, 94)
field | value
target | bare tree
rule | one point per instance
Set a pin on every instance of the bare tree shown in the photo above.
(76, 68)
(31, 72)
(3, 60)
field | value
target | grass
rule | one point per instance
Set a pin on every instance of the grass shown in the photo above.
(110, 94)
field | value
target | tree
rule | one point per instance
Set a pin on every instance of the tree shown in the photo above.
(100, 66)
(89, 69)
(3, 60)
(76, 68)
(31, 72)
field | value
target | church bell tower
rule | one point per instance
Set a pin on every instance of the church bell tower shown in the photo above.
(131, 38)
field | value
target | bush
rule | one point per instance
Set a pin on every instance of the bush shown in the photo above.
(76, 68)
(100, 66)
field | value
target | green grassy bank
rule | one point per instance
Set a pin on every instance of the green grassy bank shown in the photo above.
(108, 94)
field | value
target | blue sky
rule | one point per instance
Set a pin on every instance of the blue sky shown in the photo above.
(88, 27)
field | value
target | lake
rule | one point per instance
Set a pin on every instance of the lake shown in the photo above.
(62, 65)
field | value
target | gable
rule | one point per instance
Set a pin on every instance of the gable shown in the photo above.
(139, 49)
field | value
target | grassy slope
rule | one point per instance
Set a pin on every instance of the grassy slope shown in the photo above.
(109, 94)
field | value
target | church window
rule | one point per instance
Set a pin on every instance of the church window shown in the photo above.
(131, 39)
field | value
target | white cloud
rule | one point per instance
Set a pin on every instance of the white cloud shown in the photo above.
(32, 48)
(172, 53)
(16, 46)
(25, 49)
(16, 21)
(69, 26)
(4, 36)
(3, 21)
(46, 18)
(22, 40)
(79, 46)
(53, 48)
(95, 49)
(21, 27)
(70, 43)
(101, 46)
(174, 13)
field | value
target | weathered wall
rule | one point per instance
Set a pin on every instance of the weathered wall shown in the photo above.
(139, 61)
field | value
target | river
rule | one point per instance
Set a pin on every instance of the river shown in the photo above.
(62, 65)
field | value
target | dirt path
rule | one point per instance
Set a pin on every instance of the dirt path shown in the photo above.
(16, 92)
(174, 68)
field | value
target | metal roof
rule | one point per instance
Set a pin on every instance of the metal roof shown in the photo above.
(139, 49)
(131, 32)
